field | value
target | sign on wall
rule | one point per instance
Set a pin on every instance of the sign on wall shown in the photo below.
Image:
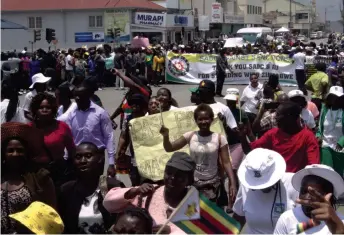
(203, 23)
(150, 19)
(216, 13)
(89, 37)
(233, 19)
(117, 19)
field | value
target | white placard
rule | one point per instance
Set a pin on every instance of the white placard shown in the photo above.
(203, 23)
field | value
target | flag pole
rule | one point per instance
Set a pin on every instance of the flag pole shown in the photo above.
(162, 119)
(239, 104)
(177, 209)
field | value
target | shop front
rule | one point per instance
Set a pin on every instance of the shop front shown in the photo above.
(163, 27)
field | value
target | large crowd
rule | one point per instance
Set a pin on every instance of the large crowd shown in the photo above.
(278, 169)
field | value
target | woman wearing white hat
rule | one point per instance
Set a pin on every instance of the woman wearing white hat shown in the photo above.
(39, 84)
(331, 130)
(319, 186)
(299, 98)
(265, 191)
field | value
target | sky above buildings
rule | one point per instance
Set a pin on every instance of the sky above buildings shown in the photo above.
(333, 6)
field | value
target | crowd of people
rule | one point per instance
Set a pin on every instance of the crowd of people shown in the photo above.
(278, 168)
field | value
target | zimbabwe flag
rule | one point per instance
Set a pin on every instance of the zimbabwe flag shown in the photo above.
(213, 220)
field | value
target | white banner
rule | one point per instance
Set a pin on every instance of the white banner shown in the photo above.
(216, 13)
(193, 68)
(150, 19)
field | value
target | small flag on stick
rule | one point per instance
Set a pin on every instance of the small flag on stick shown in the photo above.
(213, 220)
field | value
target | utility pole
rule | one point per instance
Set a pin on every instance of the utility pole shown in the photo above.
(290, 14)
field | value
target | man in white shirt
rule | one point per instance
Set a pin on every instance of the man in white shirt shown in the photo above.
(206, 93)
(69, 65)
(300, 60)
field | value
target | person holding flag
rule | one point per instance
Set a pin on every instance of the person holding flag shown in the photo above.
(319, 187)
(159, 200)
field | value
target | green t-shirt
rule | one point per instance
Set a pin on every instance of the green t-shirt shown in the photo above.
(149, 60)
(317, 81)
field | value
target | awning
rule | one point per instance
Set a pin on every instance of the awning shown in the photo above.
(5, 24)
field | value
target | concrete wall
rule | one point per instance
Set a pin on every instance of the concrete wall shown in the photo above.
(66, 23)
(281, 6)
(251, 18)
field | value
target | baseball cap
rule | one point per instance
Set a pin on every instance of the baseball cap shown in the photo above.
(182, 161)
(336, 90)
(204, 85)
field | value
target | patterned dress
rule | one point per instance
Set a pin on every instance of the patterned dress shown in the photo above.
(13, 202)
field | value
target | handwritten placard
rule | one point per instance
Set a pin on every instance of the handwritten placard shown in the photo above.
(150, 155)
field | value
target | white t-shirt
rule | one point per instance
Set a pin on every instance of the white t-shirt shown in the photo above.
(90, 218)
(256, 206)
(248, 96)
(332, 128)
(299, 59)
(287, 223)
(18, 116)
(62, 116)
(308, 118)
(310, 59)
(205, 152)
(28, 99)
(225, 111)
(69, 58)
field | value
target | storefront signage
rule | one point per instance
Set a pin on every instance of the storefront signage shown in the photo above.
(216, 13)
(150, 19)
(234, 19)
(89, 37)
(181, 20)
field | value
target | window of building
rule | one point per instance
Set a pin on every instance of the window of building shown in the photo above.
(256, 10)
(248, 9)
(95, 21)
(35, 22)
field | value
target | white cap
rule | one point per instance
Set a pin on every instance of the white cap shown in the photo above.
(231, 97)
(336, 90)
(234, 91)
(261, 169)
(39, 78)
(295, 93)
(322, 171)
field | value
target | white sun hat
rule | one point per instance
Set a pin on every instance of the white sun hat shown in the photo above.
(39, 78)
(261, 169)
(295, 93)
(336, 90)
(322, 171)
(232, 94)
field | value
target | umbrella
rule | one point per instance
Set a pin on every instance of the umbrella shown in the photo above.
(5, 24)
(282, 30)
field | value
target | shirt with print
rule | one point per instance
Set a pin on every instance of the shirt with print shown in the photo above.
(205, 151)
(248, 96)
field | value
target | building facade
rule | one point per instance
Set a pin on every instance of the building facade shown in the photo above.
(87, 22)
(277, 14)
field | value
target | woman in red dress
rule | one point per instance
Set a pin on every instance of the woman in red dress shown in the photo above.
(58, 138)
